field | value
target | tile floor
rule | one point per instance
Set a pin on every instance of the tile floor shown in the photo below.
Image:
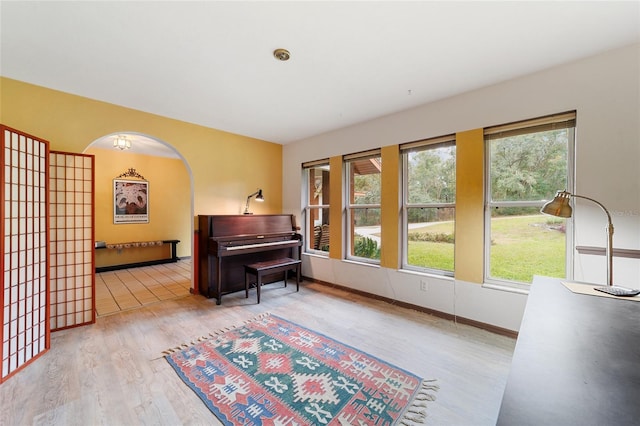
(132, 288)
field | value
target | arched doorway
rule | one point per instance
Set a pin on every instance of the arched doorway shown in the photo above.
(170, 186)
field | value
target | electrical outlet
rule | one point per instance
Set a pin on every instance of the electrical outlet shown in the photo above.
(423, 285)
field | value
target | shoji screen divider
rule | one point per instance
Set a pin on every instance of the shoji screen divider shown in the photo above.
(25, 330)
(72, 262)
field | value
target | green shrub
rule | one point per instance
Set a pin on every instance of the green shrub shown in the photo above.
(440, 237)
(366, 247)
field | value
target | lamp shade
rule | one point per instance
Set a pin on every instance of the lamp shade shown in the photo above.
(559, 206)
(259, 197)
(121, 143)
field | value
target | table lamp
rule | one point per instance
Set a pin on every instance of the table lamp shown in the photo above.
(259, 197)
(560, 207)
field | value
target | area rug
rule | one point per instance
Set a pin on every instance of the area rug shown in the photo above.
(270, 371)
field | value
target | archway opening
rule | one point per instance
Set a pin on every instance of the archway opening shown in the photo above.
(168, 174)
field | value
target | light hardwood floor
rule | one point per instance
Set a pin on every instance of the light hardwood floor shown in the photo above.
(112, 372)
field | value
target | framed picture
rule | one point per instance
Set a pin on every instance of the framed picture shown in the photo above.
(130, 201)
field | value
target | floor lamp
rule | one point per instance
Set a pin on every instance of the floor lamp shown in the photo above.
(560, 207)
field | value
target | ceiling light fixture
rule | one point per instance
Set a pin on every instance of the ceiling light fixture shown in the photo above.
(121, 143)
(281, 54)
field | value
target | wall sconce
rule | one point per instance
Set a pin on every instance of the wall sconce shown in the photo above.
(560, 207)
(259, 197)
(121, 143)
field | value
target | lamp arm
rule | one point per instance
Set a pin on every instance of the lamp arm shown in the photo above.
(609, 248)
(246, 208)
(604, 209)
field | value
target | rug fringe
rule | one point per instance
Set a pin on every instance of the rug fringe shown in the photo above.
(210, 336)
(416, 413)
(413, 413)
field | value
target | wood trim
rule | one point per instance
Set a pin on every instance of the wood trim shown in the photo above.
(25, 332)
(601, 251)
(484, 326)
(195, 264)
(72, 236)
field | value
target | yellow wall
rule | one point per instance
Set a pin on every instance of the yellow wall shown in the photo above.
(169, 198)
(469, 247)
(390, 204)
(225, 167)
(335, 212)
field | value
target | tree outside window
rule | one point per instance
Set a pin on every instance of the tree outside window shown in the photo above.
(429, 197)
(526, 166)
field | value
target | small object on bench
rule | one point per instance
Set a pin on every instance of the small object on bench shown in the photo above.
(260, 269)
(119, 247)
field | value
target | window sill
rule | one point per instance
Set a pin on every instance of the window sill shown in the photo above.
(316, 255)
(507, 288)
(356, 262)
(426, 274)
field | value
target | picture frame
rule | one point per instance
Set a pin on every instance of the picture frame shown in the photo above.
(130, 201)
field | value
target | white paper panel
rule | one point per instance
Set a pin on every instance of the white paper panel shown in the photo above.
(25, 330)
(71, 197)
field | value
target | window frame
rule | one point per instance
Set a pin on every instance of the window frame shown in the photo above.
(405, 150)
(567, 120)
(308, 207)
(349, 240)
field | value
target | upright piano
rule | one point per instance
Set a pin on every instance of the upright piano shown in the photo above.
(228, 242)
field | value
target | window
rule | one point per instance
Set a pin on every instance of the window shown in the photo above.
(527, 163)
(428, 205)
(363, 205)
(316, 175)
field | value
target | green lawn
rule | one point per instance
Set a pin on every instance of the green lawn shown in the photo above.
(521, 246)
(430, 254)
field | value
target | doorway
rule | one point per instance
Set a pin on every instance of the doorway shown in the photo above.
(170, 197)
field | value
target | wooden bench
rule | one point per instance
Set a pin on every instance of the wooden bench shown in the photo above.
(114, 265)
(261, 269)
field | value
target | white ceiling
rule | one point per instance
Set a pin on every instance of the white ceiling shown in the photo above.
(211, 62)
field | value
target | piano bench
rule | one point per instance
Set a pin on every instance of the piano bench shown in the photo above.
(259, 269)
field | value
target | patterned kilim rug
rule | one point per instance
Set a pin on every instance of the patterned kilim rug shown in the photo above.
(270, 371)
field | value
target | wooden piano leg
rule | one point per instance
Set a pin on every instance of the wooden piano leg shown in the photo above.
(259, 284)
(219, 282)
(246, 285)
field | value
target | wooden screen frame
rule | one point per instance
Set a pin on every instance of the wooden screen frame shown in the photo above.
(25, 333)
(72, 236)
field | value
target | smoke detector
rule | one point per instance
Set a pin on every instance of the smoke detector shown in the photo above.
(281, 54)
